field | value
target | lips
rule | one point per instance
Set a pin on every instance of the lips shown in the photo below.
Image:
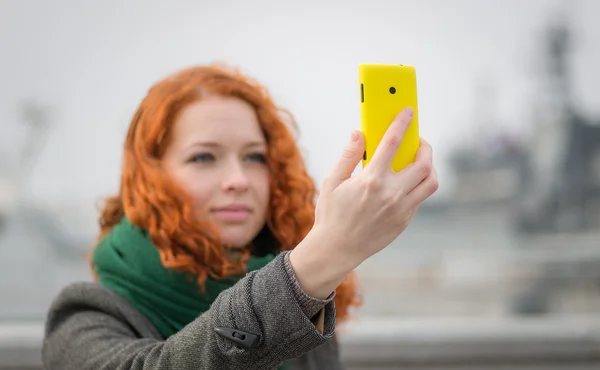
(232, 213)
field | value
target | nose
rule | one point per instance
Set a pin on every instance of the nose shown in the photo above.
(234, 177)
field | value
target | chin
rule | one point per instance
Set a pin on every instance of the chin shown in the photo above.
(237, 240)
(239, 235)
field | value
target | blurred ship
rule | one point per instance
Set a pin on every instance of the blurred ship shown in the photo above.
(549, 180)
(546, 184)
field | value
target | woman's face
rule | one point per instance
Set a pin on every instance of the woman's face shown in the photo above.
(217, 153)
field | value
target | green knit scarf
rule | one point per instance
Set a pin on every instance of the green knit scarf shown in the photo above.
(127, 262)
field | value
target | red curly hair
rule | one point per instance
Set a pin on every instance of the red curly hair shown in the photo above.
(151, 201)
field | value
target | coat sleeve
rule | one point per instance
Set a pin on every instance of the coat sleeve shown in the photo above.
(258, 323)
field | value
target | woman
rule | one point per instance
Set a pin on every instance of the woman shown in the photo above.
(212, 255)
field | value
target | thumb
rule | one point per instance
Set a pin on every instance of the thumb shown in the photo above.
(351, 156)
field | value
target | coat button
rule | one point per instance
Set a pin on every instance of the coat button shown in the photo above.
(244, 339)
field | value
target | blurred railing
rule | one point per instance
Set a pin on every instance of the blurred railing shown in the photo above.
(549, 343)
(473, 344)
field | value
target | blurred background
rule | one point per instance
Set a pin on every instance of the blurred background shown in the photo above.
(500, 269)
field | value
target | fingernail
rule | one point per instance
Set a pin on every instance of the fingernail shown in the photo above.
(354, 136)
(409, 112)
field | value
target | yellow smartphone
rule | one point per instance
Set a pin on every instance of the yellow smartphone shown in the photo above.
(385, 90)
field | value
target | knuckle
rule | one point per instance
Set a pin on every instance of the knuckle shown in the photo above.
(424, 168)
(425, 144)
(348, 153)
(429, 148)
(389, 198)
(434, 185)
(392, 141)
(372, 184)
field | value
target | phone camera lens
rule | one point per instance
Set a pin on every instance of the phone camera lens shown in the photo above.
(392, 90)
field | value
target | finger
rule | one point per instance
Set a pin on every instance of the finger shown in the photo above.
(426, 154)
(352, 155)
(388, 147)
(424, 190)
(416, 172)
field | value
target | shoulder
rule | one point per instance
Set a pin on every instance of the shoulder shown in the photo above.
(88, 302)
(87, 295)
(86, 322)
(84, 291)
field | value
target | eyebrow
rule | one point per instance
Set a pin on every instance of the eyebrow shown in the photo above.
(215, 144)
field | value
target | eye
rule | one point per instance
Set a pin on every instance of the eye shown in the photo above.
(202, 157)
(257, 157)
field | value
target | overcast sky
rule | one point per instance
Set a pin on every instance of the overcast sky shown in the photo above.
(92, 62)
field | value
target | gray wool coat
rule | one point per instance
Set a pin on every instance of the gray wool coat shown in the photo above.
(262, 321)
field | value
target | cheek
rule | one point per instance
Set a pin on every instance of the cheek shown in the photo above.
(201, 194)
(263, 188)
(199, 188)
